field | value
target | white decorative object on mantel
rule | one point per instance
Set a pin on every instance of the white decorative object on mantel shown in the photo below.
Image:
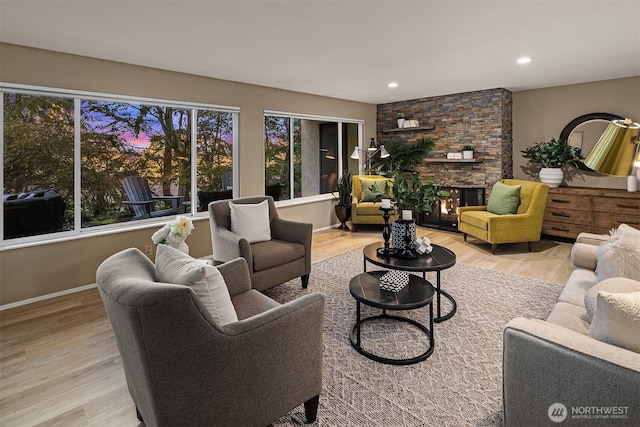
(411, 124)
(467, 154)
(632, 183)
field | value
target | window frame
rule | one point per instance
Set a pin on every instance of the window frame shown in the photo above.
(342, 162)
(78, 96)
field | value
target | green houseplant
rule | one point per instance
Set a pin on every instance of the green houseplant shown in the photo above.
(400, 118)
(343, 201)
(551, 156)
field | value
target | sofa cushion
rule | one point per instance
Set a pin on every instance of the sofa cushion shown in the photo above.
(577, 286)
(571, 317)
(619, 256)
(369, 208)
(479, 219)
(174, 266)
(372, 187)
(251, 221)
(617, 320)
(613, 285)
(504, 199)
(275, 252)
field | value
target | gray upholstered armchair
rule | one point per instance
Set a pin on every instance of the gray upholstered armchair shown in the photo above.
(286, 256)
(182, 369)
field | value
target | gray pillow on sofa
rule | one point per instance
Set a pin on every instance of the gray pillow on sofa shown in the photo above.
(614, 285)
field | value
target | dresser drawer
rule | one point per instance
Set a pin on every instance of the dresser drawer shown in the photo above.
(562, 229)
(630, 207)
(609, 220)
(568, 201)
(567, 215)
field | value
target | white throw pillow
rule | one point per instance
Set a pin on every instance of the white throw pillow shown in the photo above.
(619, 256)
(617, 320)
(174, 266)
(616, 285)
(251, 221)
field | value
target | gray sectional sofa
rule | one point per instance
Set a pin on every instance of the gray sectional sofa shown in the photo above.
(553, 371)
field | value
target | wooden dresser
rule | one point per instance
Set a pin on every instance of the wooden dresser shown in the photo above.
(572, 210)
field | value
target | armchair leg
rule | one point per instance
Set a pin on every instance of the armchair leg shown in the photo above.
(311, 408)
(529, 246)
(139, 415)
(465, 236)
(493, 248)
(305, 281)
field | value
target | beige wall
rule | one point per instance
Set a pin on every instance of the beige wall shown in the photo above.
(541, 114)
(40, 270)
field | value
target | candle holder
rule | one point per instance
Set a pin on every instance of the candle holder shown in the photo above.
(407, 252)
(386, 251)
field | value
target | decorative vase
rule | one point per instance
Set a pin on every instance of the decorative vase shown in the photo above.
(467, 154)
(551, 176)
(183, 247)
(343, 213)
(400, 123)
(403, 234)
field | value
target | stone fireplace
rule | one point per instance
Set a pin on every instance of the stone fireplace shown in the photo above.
(481, 118)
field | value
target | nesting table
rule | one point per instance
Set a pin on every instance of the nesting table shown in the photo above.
(365, 288)
(439, 259)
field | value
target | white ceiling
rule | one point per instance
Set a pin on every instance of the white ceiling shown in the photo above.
(346, 49)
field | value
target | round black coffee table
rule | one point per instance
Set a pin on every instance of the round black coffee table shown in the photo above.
(365, 288)
(439, 259)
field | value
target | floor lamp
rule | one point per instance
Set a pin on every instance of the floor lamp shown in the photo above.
(371, 151)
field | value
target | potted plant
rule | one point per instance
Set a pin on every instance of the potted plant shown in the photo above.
(467, 151)
(409, 195)
(400, 118)
(343, 201)
(551, 156)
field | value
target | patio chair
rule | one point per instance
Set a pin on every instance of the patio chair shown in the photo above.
(142, 200)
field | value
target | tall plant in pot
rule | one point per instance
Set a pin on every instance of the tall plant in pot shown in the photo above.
(343, 201)
(551, 156)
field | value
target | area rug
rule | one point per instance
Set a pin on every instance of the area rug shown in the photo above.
(459, 385)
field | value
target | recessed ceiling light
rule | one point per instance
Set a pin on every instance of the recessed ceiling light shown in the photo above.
(523, 60)
(392, 85)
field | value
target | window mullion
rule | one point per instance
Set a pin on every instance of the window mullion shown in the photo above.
(77, 167)
(194, 160)
(292, 173)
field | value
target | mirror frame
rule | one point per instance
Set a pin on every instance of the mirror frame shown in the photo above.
(566, 132)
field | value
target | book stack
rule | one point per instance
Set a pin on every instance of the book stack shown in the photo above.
(456, 156)
(394, 280)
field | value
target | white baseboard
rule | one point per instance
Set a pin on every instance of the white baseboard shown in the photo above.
(46, 297)
(85, 287)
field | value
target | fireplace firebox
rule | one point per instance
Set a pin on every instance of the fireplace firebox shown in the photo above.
(444, 213)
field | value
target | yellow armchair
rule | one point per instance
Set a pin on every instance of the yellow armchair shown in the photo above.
(367, 212)
(523, 226)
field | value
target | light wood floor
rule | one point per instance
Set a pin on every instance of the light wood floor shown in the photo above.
(59, 365)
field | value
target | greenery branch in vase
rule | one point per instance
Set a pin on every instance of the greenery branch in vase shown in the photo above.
(343, 201)
(175, 233)
(551, 156)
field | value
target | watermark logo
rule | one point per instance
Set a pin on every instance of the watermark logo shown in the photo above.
(557, 412)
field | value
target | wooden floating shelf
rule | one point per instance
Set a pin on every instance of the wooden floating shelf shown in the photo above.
(409, 129)
(452, 160)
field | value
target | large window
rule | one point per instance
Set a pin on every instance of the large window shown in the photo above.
(304, 155)
(124, 160)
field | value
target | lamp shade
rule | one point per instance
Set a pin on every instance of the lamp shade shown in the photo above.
(355, 154)
(615, 151)
(383, 152)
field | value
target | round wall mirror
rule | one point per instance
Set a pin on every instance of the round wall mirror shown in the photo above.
(584, 131)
